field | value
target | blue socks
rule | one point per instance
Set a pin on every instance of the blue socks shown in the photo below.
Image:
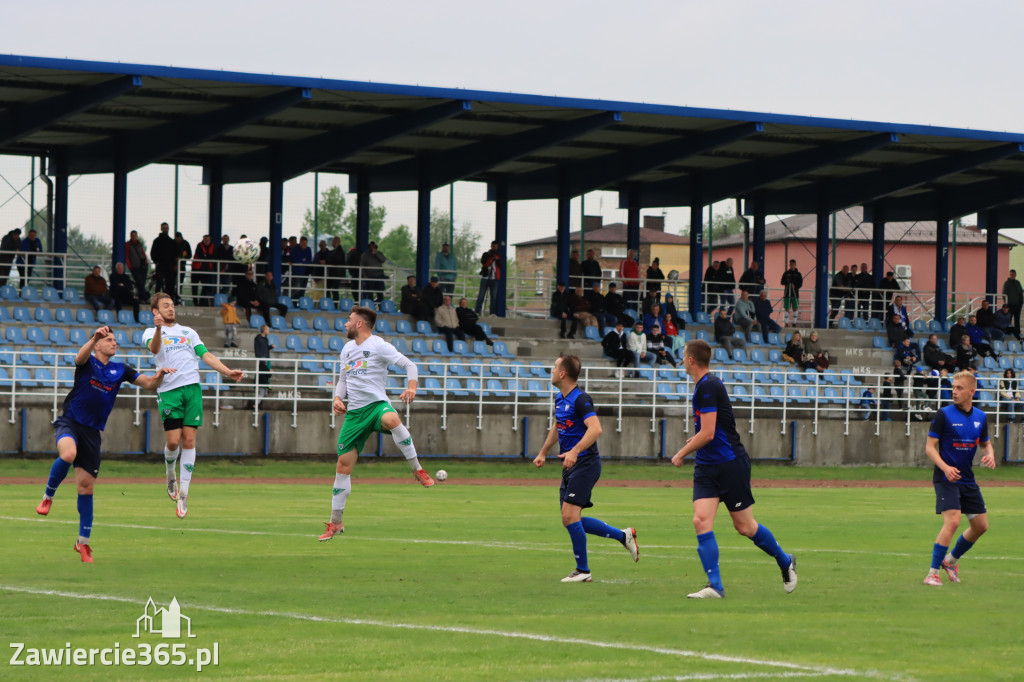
(579, 545)
(84, 518)
(764, 539)
(707, 550)
(962, 546)
(58, 472)
(938, 554)
(598, 527)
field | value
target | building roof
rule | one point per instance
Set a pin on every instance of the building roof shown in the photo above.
(614, 233)
(851, 227)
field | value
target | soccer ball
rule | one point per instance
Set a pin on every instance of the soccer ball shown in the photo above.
(441, 475)
(246, 251)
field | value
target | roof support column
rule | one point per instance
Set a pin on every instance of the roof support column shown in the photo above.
(563, 247)
(941, 267)
(820, 318)
(362, 217)
(633, 224)
(990, 223)
(877, 244)
(215, 208)
(422, 235)
(757, 240)
(120, 216)
(276, 230)
(697, 259)
(60, 227)
(501, 236)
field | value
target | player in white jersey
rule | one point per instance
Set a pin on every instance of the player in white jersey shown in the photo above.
(180, 400)
(364, 368)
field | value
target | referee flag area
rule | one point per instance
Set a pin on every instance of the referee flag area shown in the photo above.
(461, 582)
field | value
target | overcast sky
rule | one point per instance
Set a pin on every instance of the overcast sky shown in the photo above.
(936, 62)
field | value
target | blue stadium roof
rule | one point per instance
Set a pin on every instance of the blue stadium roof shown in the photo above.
(98, 117)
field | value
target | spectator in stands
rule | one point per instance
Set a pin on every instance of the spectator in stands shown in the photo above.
(956, 331)
(616, 305)
(654, 317)
(353, 260)
(9, 247)
(862, 293)
(1010, 396)
(300, 257)
(469, 322)
(562, 310)
(581, 308)
(745, 314)
(30, 245)
(1013, 295)
(977, 336)
(598, 306)
(654, 278)
(672, 333)
(246, 294)
(986, 320)
(724, 330)
(318, 274)
(433, 296)
(372, 269)
(261, 349)
(490, 273)
(900, 372)
(656, 347)
(286, 266)
(446, 267)
(224, 271)
(966, 355)
(764, 311)
(575, 270)
(412, 302)
(591, 270)
(895, 332)
(629, 273)
(615, 347)
(839, 291)
(204, 271)
(96, 291)
(907, 352)
(727, 278)
(897, 314)
(447, 322)
(934, 356)
(752, 281)
(888, 398)
(1002, 319)
(712, 287)
(794, 351)
(670, 309)
(923, 393)
(182, 248)
(636, 341)
(269, 297)
(650, 299)
(122, 290)
(229, 316)
(945, 388)
(137, 264)
(815, 357)
(868, 402)
(335, 270)
(164, 254)
(263, 261)
(850, 306)
(791, 283)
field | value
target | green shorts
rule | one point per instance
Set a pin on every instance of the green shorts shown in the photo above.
(790, 302)
(359, 424)
(182, 406)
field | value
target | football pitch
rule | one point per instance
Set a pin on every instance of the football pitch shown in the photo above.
(461, 582)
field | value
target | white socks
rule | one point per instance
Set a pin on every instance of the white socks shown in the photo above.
(188, 462)
(342, 487)
(404, 442)
(170, 457)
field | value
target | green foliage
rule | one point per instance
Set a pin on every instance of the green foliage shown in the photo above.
(87, 245)
(334, 220)
(465, 246)
(399, 246)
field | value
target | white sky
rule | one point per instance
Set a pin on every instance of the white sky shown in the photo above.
(911, 61)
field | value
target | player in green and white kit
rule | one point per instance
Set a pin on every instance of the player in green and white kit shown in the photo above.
(180, 399)
(364, 368)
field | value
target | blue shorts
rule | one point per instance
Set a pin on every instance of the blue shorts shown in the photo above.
(963, 496)
(579, 481)
(728, 481)
(87, 443)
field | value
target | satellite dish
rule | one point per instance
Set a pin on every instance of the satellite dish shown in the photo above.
(673, 275)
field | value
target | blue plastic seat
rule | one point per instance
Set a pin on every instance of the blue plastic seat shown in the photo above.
(1005, 362)
(310, 364)
(439, 347)
(383, 327)
(293, 343)
(538, 369)
(71, 295)
(125, 317)
(51, 295)
(23, 378)
(326, 304)
(721, 356)
(685, 316)
(536, 388)
(368, 303)
(739, 394)
(58, 337)
(665, 391)
(459, 347)
(481, 348)
(219, 299)
(78, 337)
(37, 337)
(502, 350)
(44, 316)
(339, 324)
(875, 325)
(431, 386)
(305, 303)
(15, 336)
(631, 314)
(106, 317)
(420, 347)
(774, 339)
(30, 294)
(756, 339)
(859, 324)
(990, 363)
(879, 342)
(704, 318)
(761, 395)
(739, 355)
(335, 344)
(123, 339)
(486, 328)
(1018, 364)
(848, 379)
(591, 333)
(316, 344)
(300, 324)
(401, 345)
(423, 328)
(496, 388)
(774, 355)
(703, 335)
(388, 307)
(286, 302)
(21, 314)
(498, 369)
(998, 346)
(1012, 346)
(33, 359)
(757, 356)
(321, 324)
(256, 321)
(278, 323)
(777, 393)
(146, 318)
(65, 377)
(844, 323)
(403, 327)
(85, 316)
(345, 304)
(275, 341)
(8, 293)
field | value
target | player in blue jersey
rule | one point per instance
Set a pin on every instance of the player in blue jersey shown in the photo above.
(721, 474)
(954, 436)
(86, 409)
(576, 429)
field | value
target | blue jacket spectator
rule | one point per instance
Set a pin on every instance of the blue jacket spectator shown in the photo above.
(907, 353)
(446, 267)
(300, 256)
(653, 318)
(763, 311)
(30, 244)
(868, 402)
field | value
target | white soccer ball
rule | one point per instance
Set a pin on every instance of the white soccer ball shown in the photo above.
(441, 475)
(246, 251)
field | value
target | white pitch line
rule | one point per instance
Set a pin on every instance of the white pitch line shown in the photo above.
(524, 546)
(508, 634)
(723, 676)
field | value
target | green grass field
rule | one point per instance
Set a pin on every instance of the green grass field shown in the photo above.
(462, 582)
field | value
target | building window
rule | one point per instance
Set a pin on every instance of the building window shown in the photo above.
(538, 254)
(538, 278)
(613, 252)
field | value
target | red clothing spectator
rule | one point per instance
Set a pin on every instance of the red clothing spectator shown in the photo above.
(629, 273)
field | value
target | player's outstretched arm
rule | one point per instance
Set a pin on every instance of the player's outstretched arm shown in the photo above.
(86, 350)
(151, 383)
(155, 342)
(412, 373)
(708, 422)
(214, 363)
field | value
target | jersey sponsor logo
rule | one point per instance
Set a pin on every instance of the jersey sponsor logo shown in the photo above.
(176, 341)
(356, 366)
(96, 383)
(366, 353)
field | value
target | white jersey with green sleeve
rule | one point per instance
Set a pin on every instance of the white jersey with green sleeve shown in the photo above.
(364, 369)
(181, 349)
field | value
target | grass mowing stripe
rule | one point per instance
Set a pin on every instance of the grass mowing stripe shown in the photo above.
(508, 634)
(723, 676)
